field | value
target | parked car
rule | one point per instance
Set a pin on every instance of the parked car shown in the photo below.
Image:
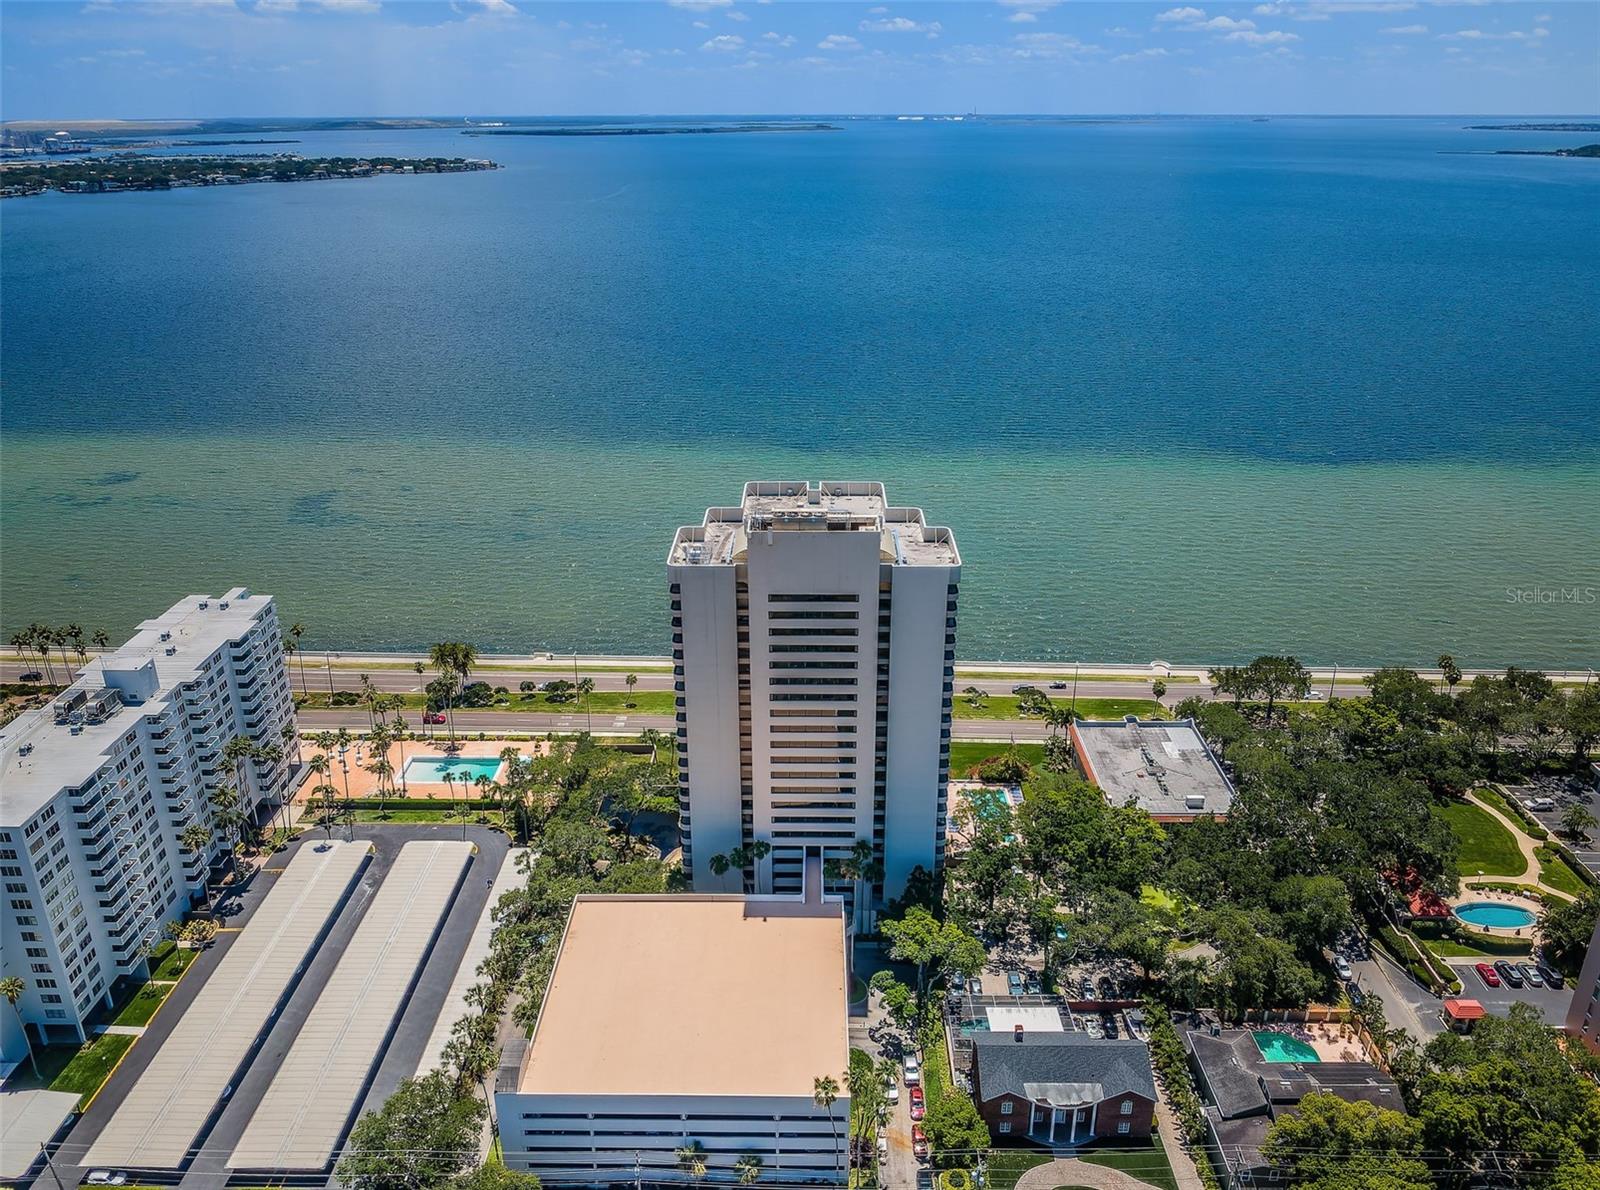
(1033, 983)
(433, 716)
(34, 675)
(1341, 967)
(919, 1143)
(891, 1090)
(1086, 989)
(883, 1148)
(913, 1071)
(1513, 978)
(1108, 1023)
(1531, 974)
(105, 1177)
(1552, 977)
(919, 1105)
(1540, 804)
(1107, 988)
(975, 986)
(1014, 983)
(1490, 977)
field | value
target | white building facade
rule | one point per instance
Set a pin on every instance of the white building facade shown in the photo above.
(813, 638)
(96, 789)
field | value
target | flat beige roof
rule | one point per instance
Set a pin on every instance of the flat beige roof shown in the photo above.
(693, 995)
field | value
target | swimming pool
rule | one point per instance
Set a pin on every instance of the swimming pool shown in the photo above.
(424, 770)
(1499, 917)
(1280, 1047)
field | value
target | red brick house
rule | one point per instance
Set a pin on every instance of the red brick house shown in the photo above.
(1062, 1089)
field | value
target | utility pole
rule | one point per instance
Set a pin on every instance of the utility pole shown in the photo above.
(327, 661)
(1075, 688)
(50, 1165)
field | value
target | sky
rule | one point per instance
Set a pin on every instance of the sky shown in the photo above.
(131, 59)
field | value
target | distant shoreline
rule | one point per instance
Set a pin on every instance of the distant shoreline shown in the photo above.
(105, 175)
(646, 130)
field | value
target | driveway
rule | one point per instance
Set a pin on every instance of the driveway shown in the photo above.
(1072, 1172)
(1568, 792)
(1405, 1005)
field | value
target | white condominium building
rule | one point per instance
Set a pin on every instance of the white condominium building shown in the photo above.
(1583, 1015)
(96, 788)
(813, 638)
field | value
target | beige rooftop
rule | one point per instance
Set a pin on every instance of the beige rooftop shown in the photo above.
(693, 995)
(723, 537)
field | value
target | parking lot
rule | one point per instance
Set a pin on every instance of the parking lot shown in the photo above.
(398, 1058)
(1562, 794)
(1552, 1002)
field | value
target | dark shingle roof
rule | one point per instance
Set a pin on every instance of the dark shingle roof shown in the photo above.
(1006, 1065)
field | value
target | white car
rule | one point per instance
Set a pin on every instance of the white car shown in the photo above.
(913, 1072)
(891, 1090)
(883, 1147)
(105, 1177)
(1341, 967)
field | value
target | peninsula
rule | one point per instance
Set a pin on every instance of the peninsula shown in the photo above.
(100, 175)
(1580, 151)
(650, 129)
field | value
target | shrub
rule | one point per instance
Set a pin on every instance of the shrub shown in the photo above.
(1009, 769)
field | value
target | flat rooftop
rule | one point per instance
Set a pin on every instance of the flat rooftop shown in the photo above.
(40, 756)
(693, 995)
(164, 1112)
(905, 538)
(1163, 765)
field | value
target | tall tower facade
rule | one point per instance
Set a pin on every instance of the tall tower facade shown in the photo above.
(813, 644)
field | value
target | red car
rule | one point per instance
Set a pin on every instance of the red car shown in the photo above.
(919, 1142)
(1488, 974)
(433, 716)
(919, 1106)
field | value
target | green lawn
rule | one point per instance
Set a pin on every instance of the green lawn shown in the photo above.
(1148, 1163)
(170, 961)
(965, 755)
(1004, 706)
(1487, 848)
(142, 1007)
(91, 1065)
(1556, 873)
(1531, 828)
(1007, 1165)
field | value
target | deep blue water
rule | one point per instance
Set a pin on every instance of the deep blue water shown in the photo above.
(1161, 353)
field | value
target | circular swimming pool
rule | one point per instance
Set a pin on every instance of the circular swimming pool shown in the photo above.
(1495, 916)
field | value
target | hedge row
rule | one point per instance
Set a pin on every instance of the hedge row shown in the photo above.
(1172, 1067)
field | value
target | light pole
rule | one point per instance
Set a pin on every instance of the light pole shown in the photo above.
(349, 810)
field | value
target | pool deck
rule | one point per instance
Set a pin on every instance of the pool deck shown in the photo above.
(364, 784)
(1486, 896)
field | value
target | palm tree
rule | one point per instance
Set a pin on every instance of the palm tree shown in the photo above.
(1449, 671)
(327, 806)
(691, 1157)
(399, 729)
(380, 766)
(41, 642)
(824, 1091)
(100, 639)
(445, 657)
(586, 688)
(74, 633)
(487, 790)
(749, 1167)
(292, 645)
(196, 838)
(225, 816)
(11, 987)
(631, 681)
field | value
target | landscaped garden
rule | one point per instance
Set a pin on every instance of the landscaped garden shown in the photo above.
(1486, 848)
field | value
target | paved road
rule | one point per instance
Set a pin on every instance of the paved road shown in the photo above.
(404, 1048)
(1405, 1005)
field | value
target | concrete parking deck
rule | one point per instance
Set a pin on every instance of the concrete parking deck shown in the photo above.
(157, 1124)
(308, 1106)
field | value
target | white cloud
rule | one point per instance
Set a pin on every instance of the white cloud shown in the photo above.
(1270, 37)
(1403, 30)
(700, 5)
(349, 5)
(1542, 18)
(726, 43)
(1324, 10)
(1182, 16)
(1022, 17)
(1154, 52)
(782, 39)
(502, 8)
(900, 25)
(1223, 24)
(838, 41)
(1030, 5)
(733, 14)
(1120, 31)
(700, 24)
(1051, 45)
(1483, 35)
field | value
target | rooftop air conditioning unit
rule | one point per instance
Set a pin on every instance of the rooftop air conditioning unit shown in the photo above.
(204, 603)
(1195, 801)
(166, 636)
(223, 606)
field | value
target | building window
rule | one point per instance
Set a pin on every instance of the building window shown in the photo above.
(1123, 1128)
(1006, 1107)
(1127, 1107)
(1005, 1125)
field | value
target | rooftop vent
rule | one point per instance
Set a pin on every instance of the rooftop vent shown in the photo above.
(166, 636)
(1195, 801)
(204, 603)
(223, 606)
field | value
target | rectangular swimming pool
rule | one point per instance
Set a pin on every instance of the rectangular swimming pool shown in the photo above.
(1280, 1047)
(424, 770)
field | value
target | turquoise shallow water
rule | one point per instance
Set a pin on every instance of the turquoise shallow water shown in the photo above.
(1188, 389)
